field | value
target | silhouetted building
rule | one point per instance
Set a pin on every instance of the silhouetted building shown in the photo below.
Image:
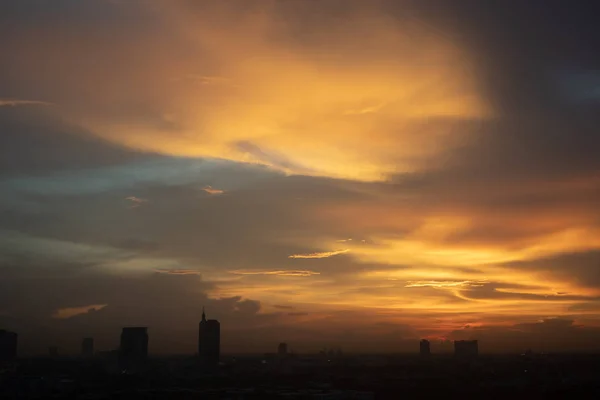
(8, 345)
(53, 351)
(466, 348)
(424, 348)
(282, 349)
(133, 351)
(87, 347)
(209, 340)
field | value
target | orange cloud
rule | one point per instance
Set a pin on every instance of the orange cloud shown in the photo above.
(69, 312)
(443, 284)
(211, 190)
(278, 273)
(336, 113)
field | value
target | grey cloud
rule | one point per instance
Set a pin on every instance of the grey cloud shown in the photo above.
(490, 290)
(582, 268)
(515, 65)
(34, 142)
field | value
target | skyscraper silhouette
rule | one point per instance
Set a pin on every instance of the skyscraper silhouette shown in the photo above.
(8, 345)
(424, 348)
(282, 349)
(133, 350)
(87, 347)
(209, 341)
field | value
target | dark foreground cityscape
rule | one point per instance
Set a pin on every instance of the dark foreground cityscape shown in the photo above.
(130, 373)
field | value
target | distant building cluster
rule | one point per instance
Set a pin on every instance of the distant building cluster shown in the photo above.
(463, 349)
(466, 348)
(282, 349)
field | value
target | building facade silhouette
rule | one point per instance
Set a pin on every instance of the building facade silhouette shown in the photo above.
(466, 348)
(87, 347)
(209, 341)
(424, 347)
(133, 350)
(282, 349)
(8, 345)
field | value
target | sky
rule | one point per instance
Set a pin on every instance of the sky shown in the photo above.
(346, 173)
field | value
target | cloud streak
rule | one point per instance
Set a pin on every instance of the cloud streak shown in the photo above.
(136, 201)
(17, 102)
(177, 271)
(70, 312)
(298, 273)
(213, 191)
(324, 254)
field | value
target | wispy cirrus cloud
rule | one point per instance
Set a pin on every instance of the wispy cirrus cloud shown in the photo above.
(209, 80)
(136, 201)
(324, 254)
(177, 271)
(444, 284)
(18, 102)
(277, 272)
(365, 110)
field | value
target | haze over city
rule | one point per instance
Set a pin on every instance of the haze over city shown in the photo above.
(354, 174)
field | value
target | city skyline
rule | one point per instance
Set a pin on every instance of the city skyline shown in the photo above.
(133, 350)
(362, 174)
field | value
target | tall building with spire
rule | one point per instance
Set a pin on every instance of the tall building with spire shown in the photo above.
(209, 340)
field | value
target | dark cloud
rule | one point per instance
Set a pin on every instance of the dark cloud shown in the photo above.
(37, 141)
(516, 65)
(582, 268)
(506, 291)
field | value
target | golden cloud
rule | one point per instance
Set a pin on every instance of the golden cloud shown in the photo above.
(324, 254)
(278, 273)
(335, 103)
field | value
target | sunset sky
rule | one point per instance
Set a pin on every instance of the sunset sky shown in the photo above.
(354, 173)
